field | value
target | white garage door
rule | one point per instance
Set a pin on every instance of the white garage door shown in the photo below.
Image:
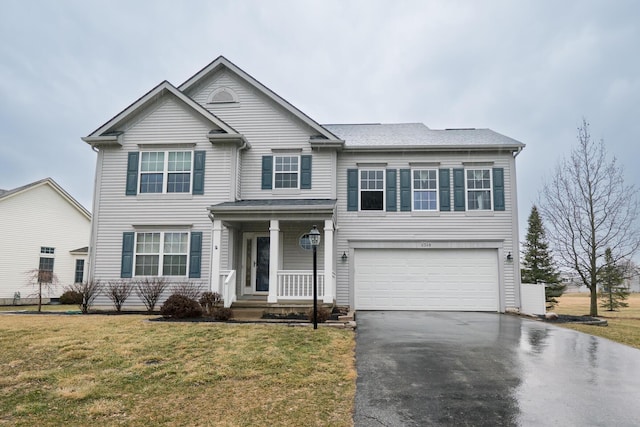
(413, 279)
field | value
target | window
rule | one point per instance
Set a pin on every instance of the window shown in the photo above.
(45, 270)
(478, 188)
(425, 189)
(47, 250)
(371, 190)
(170, 167)
(79, 274)
(286, 171)
(164, 252)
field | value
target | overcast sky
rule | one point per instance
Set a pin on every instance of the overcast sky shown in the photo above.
(527, 69)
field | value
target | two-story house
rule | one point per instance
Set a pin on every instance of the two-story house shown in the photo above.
(218, 181)
(44, 236)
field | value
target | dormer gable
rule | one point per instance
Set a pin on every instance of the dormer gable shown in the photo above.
(225, 95)
(109, 134)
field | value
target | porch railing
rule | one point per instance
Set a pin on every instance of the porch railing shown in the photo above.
(298, 284)
(228, 280)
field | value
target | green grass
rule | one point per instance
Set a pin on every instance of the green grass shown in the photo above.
(624, 325)
(121, 370)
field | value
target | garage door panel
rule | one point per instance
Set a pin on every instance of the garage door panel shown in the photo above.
(412, 279)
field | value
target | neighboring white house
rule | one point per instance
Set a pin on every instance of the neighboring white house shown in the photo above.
(219, 181)
(42, 227)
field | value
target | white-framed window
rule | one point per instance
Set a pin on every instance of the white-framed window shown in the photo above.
(45, 264)
(286, 171)
(371, 189)
(165, 171)
(161, 253)
(478, 188)
(424, 189)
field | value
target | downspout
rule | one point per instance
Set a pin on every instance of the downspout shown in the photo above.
(94, 212)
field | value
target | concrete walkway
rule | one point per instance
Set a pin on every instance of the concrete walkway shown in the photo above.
(485, 369)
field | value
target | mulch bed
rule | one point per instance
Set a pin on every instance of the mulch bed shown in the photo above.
(566, 318)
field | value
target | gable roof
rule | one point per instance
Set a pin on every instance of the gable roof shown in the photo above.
(46, 181)
(412, 136)
(107, 134)
(223, 63)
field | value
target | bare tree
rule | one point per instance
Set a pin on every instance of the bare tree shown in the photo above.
(188, 289)
(118, 291)
(89, 290)
(43, 280)
(150, 289)
(588, 208)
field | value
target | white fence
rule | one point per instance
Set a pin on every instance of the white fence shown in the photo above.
(532, 299)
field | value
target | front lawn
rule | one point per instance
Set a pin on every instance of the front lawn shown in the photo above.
(122, 370)
(624, 325)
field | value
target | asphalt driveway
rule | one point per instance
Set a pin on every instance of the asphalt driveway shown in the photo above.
(485, 369)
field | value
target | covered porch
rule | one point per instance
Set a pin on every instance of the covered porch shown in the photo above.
(261, 251)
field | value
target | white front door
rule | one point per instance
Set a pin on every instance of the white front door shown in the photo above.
(255, 262)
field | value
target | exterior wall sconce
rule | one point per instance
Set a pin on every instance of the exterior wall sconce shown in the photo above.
(509, 257)
(344, 256)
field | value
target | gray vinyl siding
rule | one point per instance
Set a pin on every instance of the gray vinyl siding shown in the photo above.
(418, 226)
(267, 127)
(170, 124)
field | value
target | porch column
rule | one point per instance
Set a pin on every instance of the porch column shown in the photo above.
(215, 256)
(329, 279)
(274, 262)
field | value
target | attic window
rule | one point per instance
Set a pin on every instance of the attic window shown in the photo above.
(222, 95)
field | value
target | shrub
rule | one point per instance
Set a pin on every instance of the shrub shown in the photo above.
(222, 313)
(210, 301)
(180, 307)
(149, 290)
(71, 297)
(323, 314)
(118, 291)
(187, 289)
(88, 291)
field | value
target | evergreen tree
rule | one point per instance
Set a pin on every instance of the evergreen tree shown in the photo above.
(612, 291)
(538, 265)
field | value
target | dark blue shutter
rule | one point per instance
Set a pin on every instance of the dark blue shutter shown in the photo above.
(352, 189)
(267, 172)
(198, 172)
(195, 254)
(392, 192)
(445, 190)
(498, 189)
(132, 173)
(126, 265)
(305, 172)
(458, 189)
(405, 190)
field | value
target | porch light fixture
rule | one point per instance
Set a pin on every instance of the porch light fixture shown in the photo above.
(314, 239)
(509, 257)
(344, 256)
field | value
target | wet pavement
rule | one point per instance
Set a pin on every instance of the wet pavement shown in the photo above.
(487, 369)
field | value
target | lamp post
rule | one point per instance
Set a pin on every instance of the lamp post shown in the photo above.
(314, 239)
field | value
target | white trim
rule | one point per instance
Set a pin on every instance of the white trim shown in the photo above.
(490, 189)
(437, 189)
(384, 189)
(165, 172)
(297, 172)
(234, 96)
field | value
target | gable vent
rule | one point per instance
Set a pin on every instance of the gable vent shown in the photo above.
(222, 95)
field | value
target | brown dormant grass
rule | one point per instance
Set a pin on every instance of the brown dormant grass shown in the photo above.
(122, 370)
(624, 325)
